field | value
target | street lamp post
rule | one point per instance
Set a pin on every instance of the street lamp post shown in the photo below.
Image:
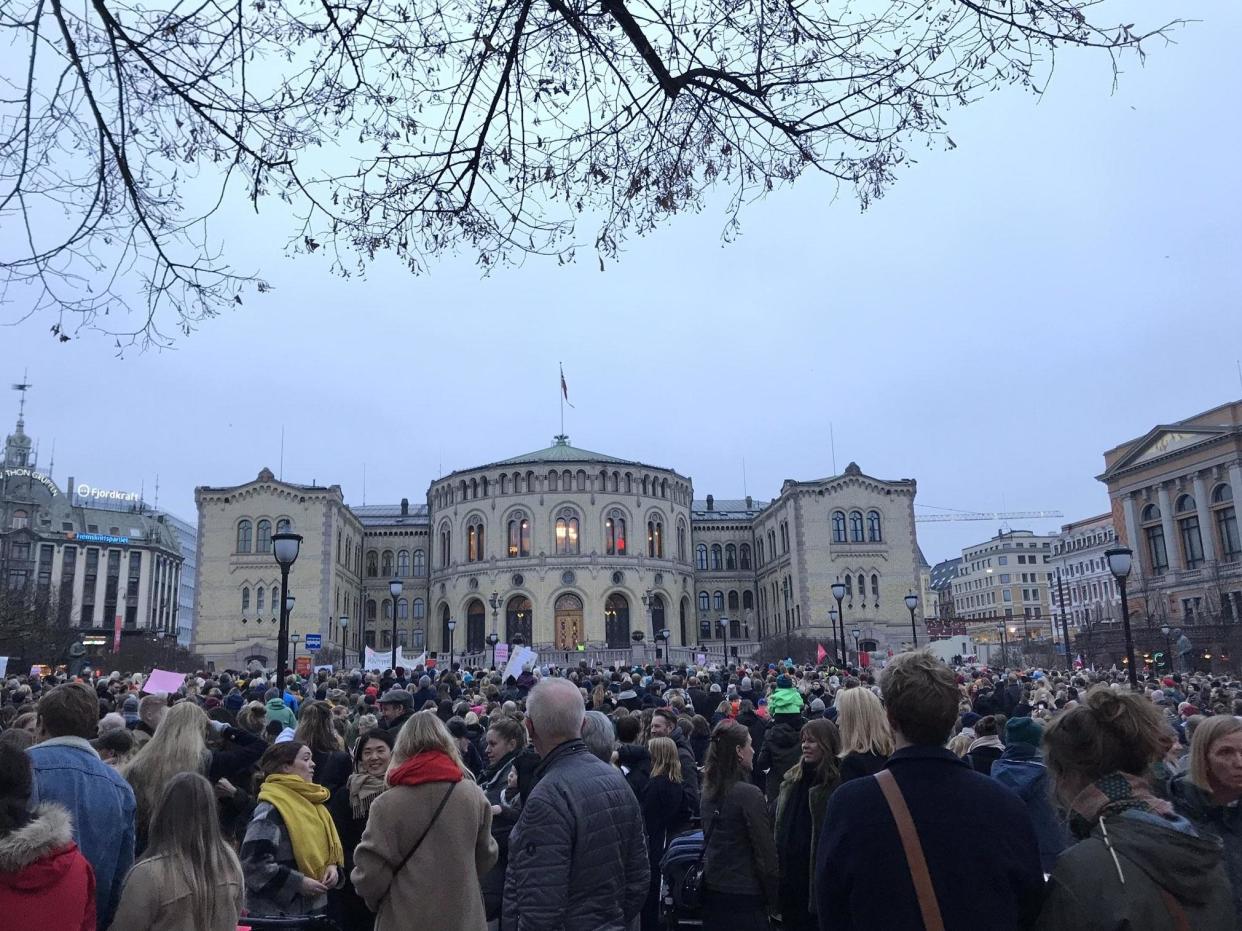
(344, 624)
(452, 625)
(833, 615)
(838, 593)
(1120, 559)
(295, 638)
(724, 632)
(1004, 648)
(1168, 647)
(285, 547)
(494, 637)
(912, 602)
(289, 602)
(394, 588)
(1069, 662)
(663, 635)
(857, 652)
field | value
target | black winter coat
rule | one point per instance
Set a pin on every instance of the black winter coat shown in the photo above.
(781, 749)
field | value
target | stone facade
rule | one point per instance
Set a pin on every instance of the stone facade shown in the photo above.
(1080, 571)
(1173, 493)
(1006, 580)
(568, 550)
(237, 608)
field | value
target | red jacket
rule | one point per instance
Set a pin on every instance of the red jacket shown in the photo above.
(45, 882)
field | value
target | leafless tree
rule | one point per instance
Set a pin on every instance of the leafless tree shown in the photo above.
(425, 127)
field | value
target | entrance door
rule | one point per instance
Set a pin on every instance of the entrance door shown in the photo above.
(617, 621)
(568, 622)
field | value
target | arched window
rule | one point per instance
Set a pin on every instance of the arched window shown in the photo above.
(581, 480)
(283, 525)
(519, 535)
(519, 617)
(655, 539)
(762, 558)
(387, 605)
(403, 563)
(446, 546)
(402, 609)
(705, 602)
(862, 587)
(372, 564)
(474, 542)
(1151, 512)
(645, 486)
(554, 480)
(245, 536)
(1222, 494)
(873, 527)
(1226, 522)
(731, 557)
(663, 488)
(370, 609)
(245, 599)
(681, 541)
(849, 586)
(476, 627)
(420, 563)
(474, 488)
(617, 621)
(718, 602)
(264, 543)
(349, 553)
(259, 598)
(567, 533)
(717, 563)
(504, 483)
(744, 554)
(615, 485)
(875, 586)
(420, 609)
(614, 533)
(386, 562)
(629, 483)
(856, 527)
(20, 520)
(733, 600)
(700, 556)
(748, 600)
(838, 526)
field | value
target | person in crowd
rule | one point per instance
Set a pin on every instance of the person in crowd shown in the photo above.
(396, 707)
(116, 748)
(863, 874)
(986, 748)
(599, 735)
(428, 840)
(504, 742)
(278, 710)
(1137, 864)
(665, 808)
(1208, 793)
(100, 802)
(188, 878)
(315, 729)
(664, 724)
(45, 882)
(349, 806)
(701, 737)
(866, 738)
(749, 719)
(782, 745)
(470, 754)
(151, 711)
(179, 746)
(800, 808)
(578, 803)
(291, 855)
(740, 871)
(1021, 768)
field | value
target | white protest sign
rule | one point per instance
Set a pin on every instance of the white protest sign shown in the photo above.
(521, 657)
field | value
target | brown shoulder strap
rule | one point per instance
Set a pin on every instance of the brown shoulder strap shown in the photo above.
(928, 905)
(1176, 912)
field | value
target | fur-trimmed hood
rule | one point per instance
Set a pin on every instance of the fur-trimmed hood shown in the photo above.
(49, 831)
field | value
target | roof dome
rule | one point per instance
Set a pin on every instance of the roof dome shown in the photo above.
(562, 451)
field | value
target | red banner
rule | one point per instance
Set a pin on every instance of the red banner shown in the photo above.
(820, 653)
(116, 634)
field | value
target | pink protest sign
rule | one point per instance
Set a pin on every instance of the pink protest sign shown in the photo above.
(161, 680)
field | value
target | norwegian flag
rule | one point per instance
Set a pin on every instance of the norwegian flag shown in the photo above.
(564, 387)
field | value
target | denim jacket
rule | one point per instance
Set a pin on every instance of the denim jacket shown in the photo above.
(68, 771)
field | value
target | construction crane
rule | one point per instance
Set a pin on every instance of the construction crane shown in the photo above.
(989, 515)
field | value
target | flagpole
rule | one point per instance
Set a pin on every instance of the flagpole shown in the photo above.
(560, 393)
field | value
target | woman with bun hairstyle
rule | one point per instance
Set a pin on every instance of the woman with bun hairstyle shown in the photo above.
(1137, 865)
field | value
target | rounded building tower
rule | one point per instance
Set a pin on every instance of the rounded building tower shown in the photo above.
(565, 548)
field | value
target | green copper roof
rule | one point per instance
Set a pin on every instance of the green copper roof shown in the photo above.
(561, 451)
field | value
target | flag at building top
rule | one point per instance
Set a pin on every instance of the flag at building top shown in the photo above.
(564, 385)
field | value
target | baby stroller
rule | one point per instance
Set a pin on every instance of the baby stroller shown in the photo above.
(299, 923)
(678, 900)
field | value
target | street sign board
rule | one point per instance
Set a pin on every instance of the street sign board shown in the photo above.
(314, 642)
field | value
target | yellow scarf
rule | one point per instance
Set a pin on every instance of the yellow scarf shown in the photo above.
(316, 845)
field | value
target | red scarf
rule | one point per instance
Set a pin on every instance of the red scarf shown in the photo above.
(428, 766)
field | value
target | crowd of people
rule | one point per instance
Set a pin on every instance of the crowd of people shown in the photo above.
(917, 796)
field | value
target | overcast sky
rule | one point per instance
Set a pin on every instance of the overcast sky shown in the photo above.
(1065, 279)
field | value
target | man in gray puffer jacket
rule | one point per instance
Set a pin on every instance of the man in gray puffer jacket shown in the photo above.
(578, 854)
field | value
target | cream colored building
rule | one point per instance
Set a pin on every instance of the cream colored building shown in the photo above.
(1173, 493)
(568, 550)
(1006, 580)
(237, 606)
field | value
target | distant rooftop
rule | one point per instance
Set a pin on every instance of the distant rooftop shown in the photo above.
(727, 508)
(562, 451)
(383, 515)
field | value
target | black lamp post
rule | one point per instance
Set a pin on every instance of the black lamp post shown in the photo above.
(394, 588)
(724, 632)
(1168, 648)
(285, 547)
(1120, 560)
(833, 614)
(344, 625)
(663, 635)
(452, 625)
(838, 593)
(295, 638)
(857, 652)
(492, 639)
(912, 602)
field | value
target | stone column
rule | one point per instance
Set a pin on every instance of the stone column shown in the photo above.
(1171, 546)
(1132, 533)
(1207, 533)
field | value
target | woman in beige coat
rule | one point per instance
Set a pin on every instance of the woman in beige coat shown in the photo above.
(428, 839)
(188, 878)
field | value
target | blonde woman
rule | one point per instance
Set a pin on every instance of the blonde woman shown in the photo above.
(188, 879)
(866, 738)
(665, 808)
(428, 839)
(179, 746)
